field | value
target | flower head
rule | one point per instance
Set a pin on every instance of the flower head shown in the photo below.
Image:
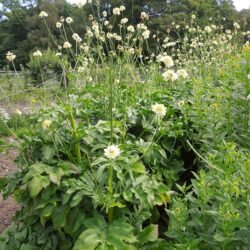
(66, 45)
(37, 53)
(170, 75)
(159, 110)
(46, 123)
(236, 25)
(43, 14)
(112, 152)
(167, 60)
(104, 13)
(208, 29)
(69, 20)
(58, 25)
(146, 34)
(76, 37)
(80, 3)
(117, 11)
(124, 20)
(10, 56)
(144, 16)
(18, 111)
(131, 28)
(122, 8)
(182, 73)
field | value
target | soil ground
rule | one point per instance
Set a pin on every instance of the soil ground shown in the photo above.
(8, 207)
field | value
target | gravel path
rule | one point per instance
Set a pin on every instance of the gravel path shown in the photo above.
(8, 207)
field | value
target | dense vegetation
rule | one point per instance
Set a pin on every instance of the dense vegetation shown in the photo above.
(22, 31)
(147, 146)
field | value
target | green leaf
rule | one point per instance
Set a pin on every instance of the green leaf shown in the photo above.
(56, 175)
(78, 197)
(76, 216)
(117, 204)
(219, 237)
(99, 235)
(138, 167)
(149, 233)
(48, 210)
(97, 221)
(48, 153)
(35, 169)
(37, 184)
(121, 230)
(90, 239)
(59, 216)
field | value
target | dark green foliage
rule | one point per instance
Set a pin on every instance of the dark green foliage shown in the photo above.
(48, 66)
(22, 31)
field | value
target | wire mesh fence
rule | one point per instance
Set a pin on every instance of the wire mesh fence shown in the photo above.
(17, 91)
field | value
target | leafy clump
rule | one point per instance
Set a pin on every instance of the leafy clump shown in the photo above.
(218, 199)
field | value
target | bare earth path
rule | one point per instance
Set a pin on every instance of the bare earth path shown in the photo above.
(7, 207)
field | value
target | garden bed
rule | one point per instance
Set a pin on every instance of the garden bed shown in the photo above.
(8, 207)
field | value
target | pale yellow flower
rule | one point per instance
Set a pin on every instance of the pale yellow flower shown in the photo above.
(167, 60)
(37, 53)
(18, 111)
(10, 56)
(46, 123)
(69, 20)
(116, 11)
(112, 152)
(159, 110)
(43, 14)
(66, 45)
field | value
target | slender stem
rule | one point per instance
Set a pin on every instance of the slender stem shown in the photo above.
(110, 191)
(18, 78)
(111, 103)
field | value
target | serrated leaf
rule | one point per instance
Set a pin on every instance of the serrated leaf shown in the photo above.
(37, 184)
(122, 231)
(148, 234)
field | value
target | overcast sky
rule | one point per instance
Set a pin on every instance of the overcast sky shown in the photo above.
(239, 4)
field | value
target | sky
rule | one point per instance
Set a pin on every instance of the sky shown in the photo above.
(241, 4)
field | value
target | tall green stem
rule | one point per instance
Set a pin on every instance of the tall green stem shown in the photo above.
(110, 171)
(77, 144)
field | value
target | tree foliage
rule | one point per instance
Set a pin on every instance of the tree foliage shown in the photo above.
(22, 31)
